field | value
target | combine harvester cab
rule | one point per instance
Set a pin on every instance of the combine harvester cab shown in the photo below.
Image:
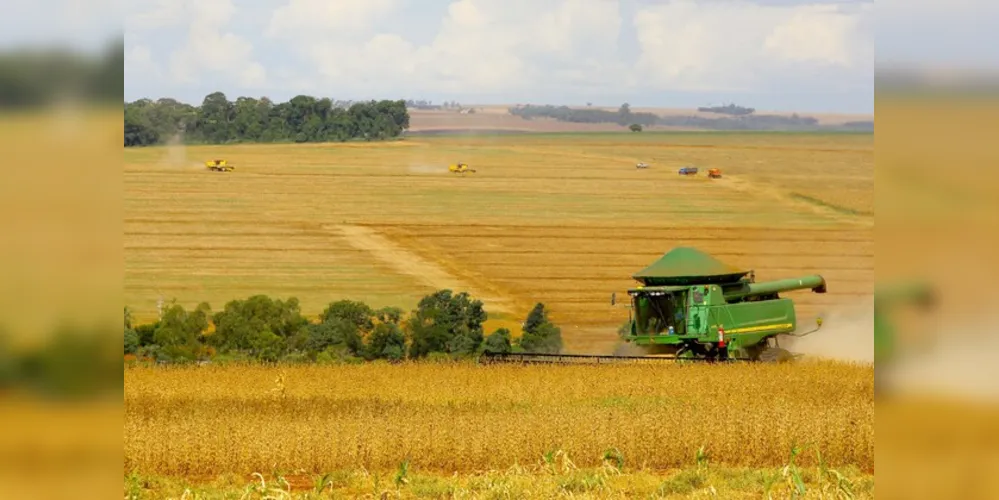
(692, 306)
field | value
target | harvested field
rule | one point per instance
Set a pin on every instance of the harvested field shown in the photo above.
(561, 219)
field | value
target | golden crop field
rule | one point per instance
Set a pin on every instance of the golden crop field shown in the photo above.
(464, 418)
(563, 219)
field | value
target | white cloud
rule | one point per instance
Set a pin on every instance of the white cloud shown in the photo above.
(334, 17)
(139, 63)
(210, 47)
(522, 49)
(739, 45)
(819, 33)
(482, 45)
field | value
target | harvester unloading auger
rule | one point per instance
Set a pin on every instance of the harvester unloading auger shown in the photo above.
(690, 306)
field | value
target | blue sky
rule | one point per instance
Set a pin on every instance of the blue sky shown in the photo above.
(771, 54)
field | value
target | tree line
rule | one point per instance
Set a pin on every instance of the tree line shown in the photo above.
(748, 121)
(302, 119)
(443, 325)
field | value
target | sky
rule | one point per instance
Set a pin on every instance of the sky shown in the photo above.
(780, 55)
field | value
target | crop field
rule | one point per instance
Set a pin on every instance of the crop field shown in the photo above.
(563, 219)
(299, 422)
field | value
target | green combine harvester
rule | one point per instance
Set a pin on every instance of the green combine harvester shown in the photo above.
(690, 306)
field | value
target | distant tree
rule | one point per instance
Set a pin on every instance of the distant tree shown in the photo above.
(358, 313)
(539, 334)
(535, 318)
(498, 341)
(335, 333)
(624, 114)
(301, 119)
(179, 332)
(635, 127)
(131, 338)
(387, 341)
(389, 315)
(446, 322)
(259, 326)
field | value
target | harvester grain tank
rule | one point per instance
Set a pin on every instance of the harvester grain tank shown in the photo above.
(690, 305)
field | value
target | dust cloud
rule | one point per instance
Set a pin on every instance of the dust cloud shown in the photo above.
(426, 169)
(176, 154)
(628, 349)
(955, 362)
(847, 334)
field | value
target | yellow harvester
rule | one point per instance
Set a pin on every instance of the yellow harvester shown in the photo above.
(460, 168)
(219, 166)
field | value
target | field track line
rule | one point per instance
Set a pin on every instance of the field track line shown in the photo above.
(427, 272)
(748, 187)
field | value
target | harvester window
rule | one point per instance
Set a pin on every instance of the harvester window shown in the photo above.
(655, 314)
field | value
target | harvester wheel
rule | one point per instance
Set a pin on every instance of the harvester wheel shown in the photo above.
(775, 355)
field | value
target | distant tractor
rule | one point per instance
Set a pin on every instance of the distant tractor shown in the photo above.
(219, 166)
(460, 168)
(714, 173)
(688, 171)
(642, 165)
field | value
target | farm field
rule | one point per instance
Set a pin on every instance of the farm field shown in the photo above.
(498, 118)
(562, 219)
(486, 430)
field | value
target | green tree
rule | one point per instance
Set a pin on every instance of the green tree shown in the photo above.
(442, 317)
(636, 127)
(179, 332)
(387, 341)
(215, 119)
(358, 313)
(131, 338)
(389, 314)
(335, 333)
(539, 334)
(498, 342)
(138, 129)
(258, 325)
(535, 318)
